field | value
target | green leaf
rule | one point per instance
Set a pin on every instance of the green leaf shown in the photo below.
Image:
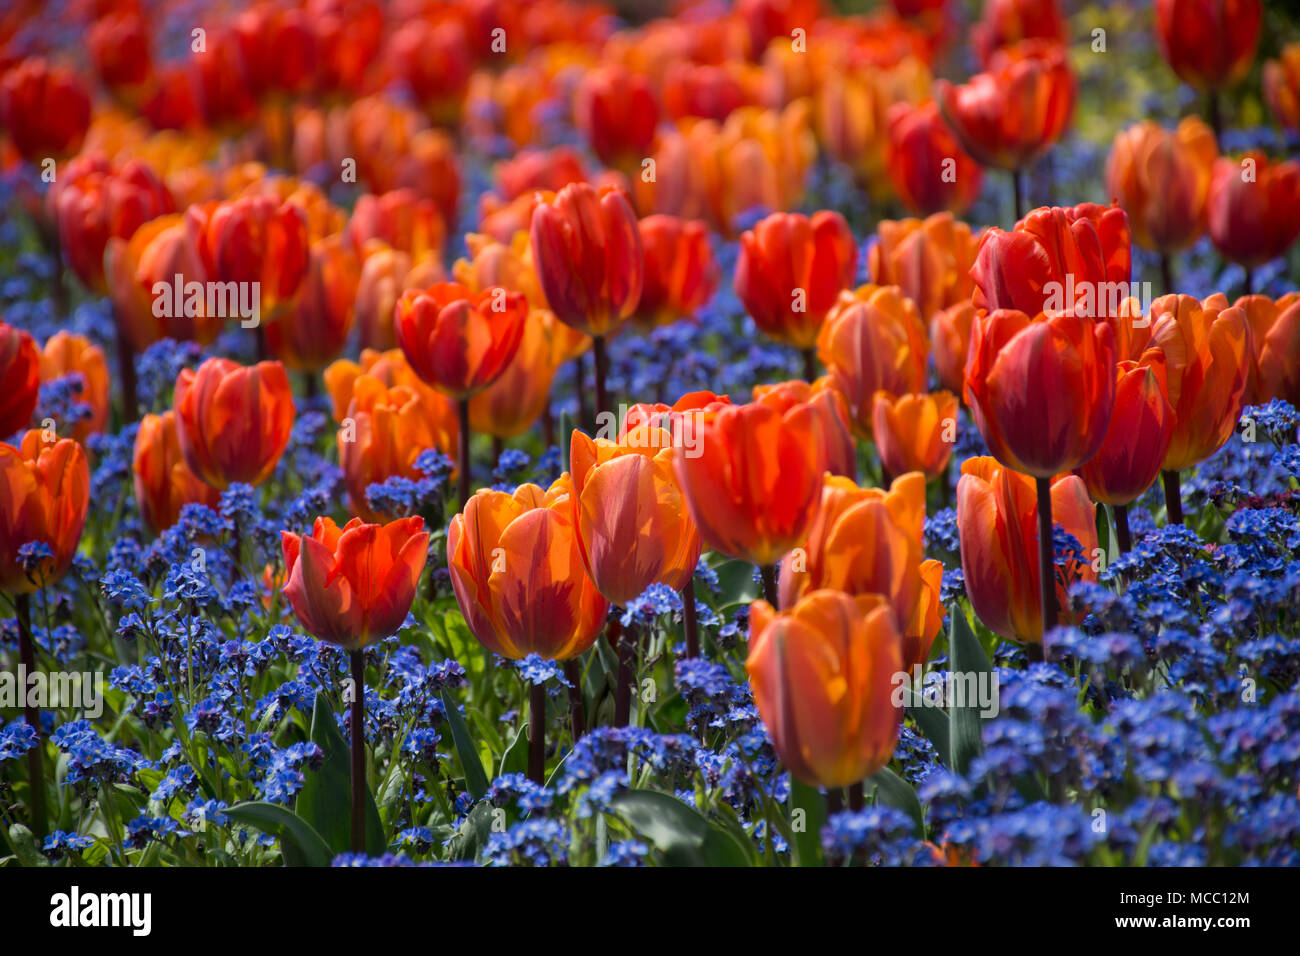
(893, 791)
(678, 831)
(476, 781)
(515, 759)
(25, 848)
(468, 842)
(736, 583)
(966, 657)
(325, 800)
(808, 830)
(300, 844)
(565, 436)
(932, 721)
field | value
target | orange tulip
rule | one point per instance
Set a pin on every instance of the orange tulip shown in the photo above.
(68, 354)
(1141, 428)
(1011, 115)
(753, 480)
(1275, 333)
(929, 171)
(828, 406)
(510, 405)
(234, 421)
(354, 585)
(997, 520)
(94, 202)
(673, 417)
(632, 521)
(823, 679)
(1041, 389)
(1210, 44)
(1207, 349)
(253, 239)
(929, 260)
(429, 167)
(869, 541)
(680, 272)
(44, 494)
(1252, 207)
(540, 170)
(1282, 87)
(949, 340)
(164, 484)
(156, 253)
(20, 379)
(1162, 180)
(706, 90)
(588, 256)
(617, 114)
(313, 331)
(493, 262)
(873, 340)
(516, 567)
(385, 275)
(45, 110)
(914, 432)
(401, 219)
(792, 269)
(458, 342)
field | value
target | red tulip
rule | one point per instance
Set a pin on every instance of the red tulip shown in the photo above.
(680, 272)
(20, 379)
(617, 114)
(164, 484)
(1208, 43)
(1252, 208)
(930, 172)
(253, 239)
(45, 110)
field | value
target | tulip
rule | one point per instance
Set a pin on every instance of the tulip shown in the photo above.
(429, 168)
(753, 481)
(681, 274)
(1007, 22)
(828, 406)
(313, 331)
(540, 170)
(790, 273)
(706, 90)
(869, 541)
(949, 339)
(119, 48)
(929, 260)
(45, 110)
(164, 484)
(914, 432)
(234, 422)
(929, 171)
(676, 417)
(995, 520)
(68, 354)
(385, 274)
(44, 494)
(350, 587)
(1208, 351)
(1281, 81)
(823, 679)
(1210, 44)
(20, 379)
(434, 60)
(588, 256)
(94, 202)
(349, 37)
(1011, 115)
(1275, 332)
(1057, 259)
(1252, 207)
(402, 220)
(510, 405)
(1141, 428)
(222, 85)
(873, 339)
(617, 114)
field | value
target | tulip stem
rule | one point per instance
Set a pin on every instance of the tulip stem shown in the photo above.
(856, 797)
(577, 715)
(1216, 114)
(1017, 197)
(1247, 281)
(498, 446)
(1173, 497)
(35, 772)
(810, 365)
(462, 410)
(768, 573)
(1167, 273)
(1121, 529)
(623, 692)
(691, 620)
(58, 289)
(126, 374)
(602, 370)
(580, 387)
(834, 801)
(358, 751)
(310, 387)
(537, 733)
(1046, 555)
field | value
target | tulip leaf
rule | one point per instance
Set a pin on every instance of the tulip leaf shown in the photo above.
(736, 583)
(807, 817)
(966, 657)
(325, 800)
(932, 722)
(300, 844)
(468, 841)
(515, 758)
(678, 831)
(476, 781)
(893, 791)
(25, 847)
